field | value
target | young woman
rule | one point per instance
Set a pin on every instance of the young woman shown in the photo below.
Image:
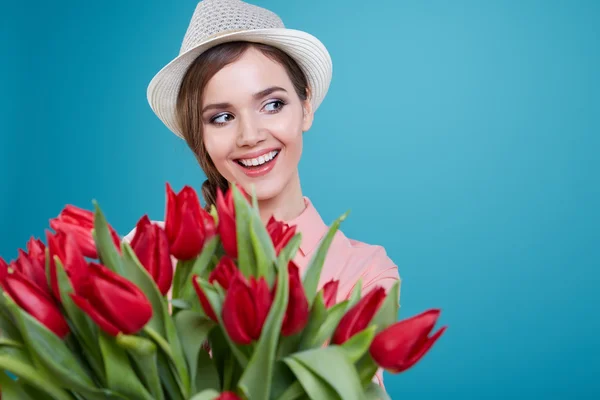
(242, 92)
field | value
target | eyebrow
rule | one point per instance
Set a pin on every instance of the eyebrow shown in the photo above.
(257, 96)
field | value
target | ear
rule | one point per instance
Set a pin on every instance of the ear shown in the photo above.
(308, 116)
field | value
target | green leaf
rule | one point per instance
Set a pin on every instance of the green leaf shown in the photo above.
(264, 262)
(313, 385)
(357, 345)
(343, 378)
(366, 368)
(50, 349)
(327, 328)
(293, 392)
(8, 330)
(16, 361)
(11, 389)
(318, 315)
(83, 328)
(120, 375)
(246, 257)
(161, 321)
(315, 266)
(215, 300)
(137, 274)
(289, 251)
(199, 266)
(388, 312)
(283, 380)
(257, 377)
(107, 252)
(143, 353)
(376, 392)
(170, 383)
(355, 296)
(182, 274)
(208, 394)
(193, 331)
(207, 376)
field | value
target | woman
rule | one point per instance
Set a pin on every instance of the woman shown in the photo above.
(241, 93)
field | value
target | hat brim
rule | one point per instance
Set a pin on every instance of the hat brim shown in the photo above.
(310, 54)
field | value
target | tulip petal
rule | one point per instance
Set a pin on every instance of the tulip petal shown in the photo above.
(330, 290)
(239, 312)
(359, 316)
(31, 299)
(296, 315)
(227, 227)
(171, 221)
(208, 310)
(95, 315)
(118, 299)
(224, 272)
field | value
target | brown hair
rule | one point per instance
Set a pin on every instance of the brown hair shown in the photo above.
(189, 101)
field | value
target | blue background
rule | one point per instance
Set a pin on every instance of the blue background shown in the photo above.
(463, 136)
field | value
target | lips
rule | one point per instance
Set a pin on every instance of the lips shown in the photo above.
(259, 164)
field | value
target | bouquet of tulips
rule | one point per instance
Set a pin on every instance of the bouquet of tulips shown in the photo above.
(89, 316)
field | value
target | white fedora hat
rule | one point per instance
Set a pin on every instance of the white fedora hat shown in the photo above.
(220, 21)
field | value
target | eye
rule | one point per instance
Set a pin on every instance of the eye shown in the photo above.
(221, 119)
(274, 106)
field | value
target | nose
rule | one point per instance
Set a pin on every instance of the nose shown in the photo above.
(250, 133)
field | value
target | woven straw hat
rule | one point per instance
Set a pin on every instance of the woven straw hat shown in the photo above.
(220, 21)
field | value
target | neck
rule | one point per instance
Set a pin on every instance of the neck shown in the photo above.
(286, 205)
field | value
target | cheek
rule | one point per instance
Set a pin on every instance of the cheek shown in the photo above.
(218, 149)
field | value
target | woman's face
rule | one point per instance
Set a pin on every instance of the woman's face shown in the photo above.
(253, 122)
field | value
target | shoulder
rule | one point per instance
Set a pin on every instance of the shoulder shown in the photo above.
(369, 263)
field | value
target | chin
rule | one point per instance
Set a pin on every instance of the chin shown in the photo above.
(264, 190)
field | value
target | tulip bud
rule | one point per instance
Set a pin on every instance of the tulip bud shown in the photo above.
(296, 315)
(65, 247)
(113, 302)
(151, 247)
(33, 268)
(227, 227)
(79, 223)
(358, 317)
(226, 214)
(281, 233)
(34, 301)
(402, 345)
(330, 290)
(245, 308)
(188, 226)
(224, 272)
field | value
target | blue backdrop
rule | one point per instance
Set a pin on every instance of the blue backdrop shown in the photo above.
(463, 136)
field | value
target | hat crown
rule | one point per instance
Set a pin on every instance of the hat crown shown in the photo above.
(214, 17)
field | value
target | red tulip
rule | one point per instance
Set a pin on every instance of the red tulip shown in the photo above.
(224, 272)
(280, 232)
(79, 222)
(330, 290)
(296, 314)
(33, 300)
(36, 248)
(188, 225)
(402, 345)
(227, 227)
(33, 267)
(65, 247)
(113, 302)
(359, 316)
(151, 246)
(245, 308)
(226, 212)
(228, 396)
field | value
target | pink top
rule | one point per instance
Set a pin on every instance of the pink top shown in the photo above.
(347, 260)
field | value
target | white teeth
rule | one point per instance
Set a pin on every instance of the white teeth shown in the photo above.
(249, 162)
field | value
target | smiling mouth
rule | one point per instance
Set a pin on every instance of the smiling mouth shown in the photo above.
(258, 162)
